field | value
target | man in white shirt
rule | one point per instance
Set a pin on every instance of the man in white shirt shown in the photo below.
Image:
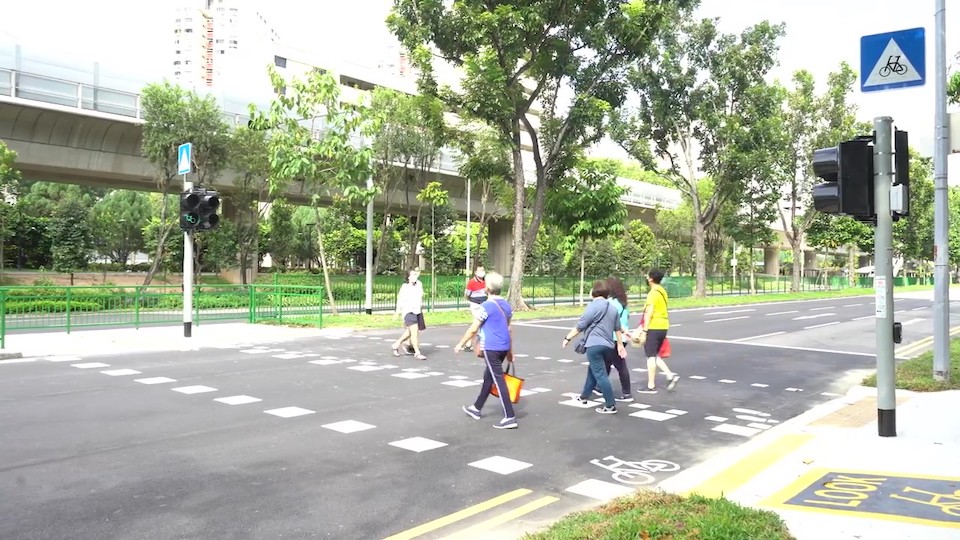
(410, 307)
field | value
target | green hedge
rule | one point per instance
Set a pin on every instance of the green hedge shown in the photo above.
(48, 306)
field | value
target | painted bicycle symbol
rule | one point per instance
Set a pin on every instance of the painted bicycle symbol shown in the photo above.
(636, 473)
(893, 66)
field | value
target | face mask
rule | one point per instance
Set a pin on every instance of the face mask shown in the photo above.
(481, 275)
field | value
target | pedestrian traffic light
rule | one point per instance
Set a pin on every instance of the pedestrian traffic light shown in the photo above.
(847, 172)
(189, 210)
(209, 203)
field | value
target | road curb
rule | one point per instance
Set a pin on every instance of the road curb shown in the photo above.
(9, 355)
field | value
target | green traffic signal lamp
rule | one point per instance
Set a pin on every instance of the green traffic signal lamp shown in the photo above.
(189, 211)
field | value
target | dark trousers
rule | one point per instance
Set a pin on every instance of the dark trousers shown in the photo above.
(612, 359)
(596, 376)
(494, 375)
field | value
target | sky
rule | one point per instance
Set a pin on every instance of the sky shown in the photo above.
(820, 35)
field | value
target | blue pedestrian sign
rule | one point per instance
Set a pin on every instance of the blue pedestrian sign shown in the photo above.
(893, 60)
(184, 158)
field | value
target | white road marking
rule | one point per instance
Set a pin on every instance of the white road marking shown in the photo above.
(600, 490)
(120, 372)
(90, 365)
(918, 309)
(781, 313)
(759, 426)
(410, 375)
(863, 318)
(418, 444)
(198, 389)
(817, 316)
(791, 389)
(698, 377)
(821, 325)
(365, 368)
(348, 426)
(62, 358)
(501, 465)
(727, 381)
(743, 431)
(542, 358)
(459, 384)
(640, 405)
(770, 345)
(761, 336)
(574, 402)
(289, 412)
(237, 400)
(653, 415)
(749, 411)
(18, 361)
(155, 380)
(677, 412)
(727, 312)
(851, 305)
(821, 308)
(749, 418)
(912, 321)
(829, 394)
(715, 419)
(759, 385)
(728, 319)
(900, 311)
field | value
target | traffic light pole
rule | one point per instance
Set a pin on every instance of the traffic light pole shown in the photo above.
(187, 274)
(941, 211)
(883, 275)
(368, 293)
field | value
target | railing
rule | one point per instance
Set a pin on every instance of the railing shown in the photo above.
(69, 308)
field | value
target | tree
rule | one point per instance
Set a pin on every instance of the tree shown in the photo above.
(249, 157)
(673, 238)
(518, 56)
(71, 238)
(41, 199)
(486, 166)
(698, 98)
(587, 206)
(311, 141)
(173, 116)
(282, 239)
(834, 232)
(812, 122)
(636, 249)
(913, 235)
(434, 195)
(119, 219)
(9, 184)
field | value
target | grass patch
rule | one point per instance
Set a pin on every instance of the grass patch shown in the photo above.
(916, 374)
(653, 515)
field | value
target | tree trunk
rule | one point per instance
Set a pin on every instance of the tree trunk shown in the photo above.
(583, 260)
(515, 296)
(753, 273)
(165, 229)
(797, 266)
(323, 265)
(852, 265)
(700, 258)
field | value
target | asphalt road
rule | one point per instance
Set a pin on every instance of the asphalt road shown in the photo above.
(378, 445)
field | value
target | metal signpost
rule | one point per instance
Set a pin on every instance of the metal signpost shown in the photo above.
(941, 216)
(887, 61)
(184, 166)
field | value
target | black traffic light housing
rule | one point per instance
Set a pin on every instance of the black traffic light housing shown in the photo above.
(847, 171)
(901, 164)
(198, 210)
(189, 210)
(209, 203)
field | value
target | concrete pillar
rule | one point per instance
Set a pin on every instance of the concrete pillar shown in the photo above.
(241, 217)
(810, 260)
(771, 260)
(500, 246)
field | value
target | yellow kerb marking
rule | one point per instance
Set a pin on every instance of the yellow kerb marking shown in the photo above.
(457, 516)
(501, 519)
(744, 470)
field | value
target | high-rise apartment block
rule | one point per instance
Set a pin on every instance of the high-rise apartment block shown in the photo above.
(220, 42)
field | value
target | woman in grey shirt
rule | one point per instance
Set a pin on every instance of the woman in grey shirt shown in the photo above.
(601, 325)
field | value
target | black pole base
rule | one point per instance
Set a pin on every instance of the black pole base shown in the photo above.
(187, 329)
(887, 422)
(369, 311)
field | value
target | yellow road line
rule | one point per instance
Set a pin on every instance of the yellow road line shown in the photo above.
(920, 344)
(457, 516)
(749, 466)
(502, 518)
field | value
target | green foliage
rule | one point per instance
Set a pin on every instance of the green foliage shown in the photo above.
(699, 99)
(249, 157)
(118, 222)
(281, 240)
(586, 204)
(913, 235)
(9, 175)
(40, 199)
(834, 232)
(70, 236)
(634, 170)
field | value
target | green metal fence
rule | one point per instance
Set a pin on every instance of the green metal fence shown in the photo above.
(66, 308)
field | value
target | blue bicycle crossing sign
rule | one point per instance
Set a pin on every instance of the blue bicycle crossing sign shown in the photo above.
(893, 60)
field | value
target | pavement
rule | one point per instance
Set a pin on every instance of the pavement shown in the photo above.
(247, 431)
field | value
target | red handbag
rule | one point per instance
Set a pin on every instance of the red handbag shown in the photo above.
(665, 349)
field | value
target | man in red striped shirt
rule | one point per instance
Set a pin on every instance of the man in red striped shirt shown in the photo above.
(476, 292)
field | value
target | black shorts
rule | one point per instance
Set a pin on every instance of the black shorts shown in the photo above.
(654, 341)
(411, 319)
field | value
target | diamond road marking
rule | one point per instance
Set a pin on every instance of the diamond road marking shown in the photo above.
(324, 362)
(120, 372)
(90, 365)
(732, 429)
(600, 490)
(460, 384)
(459, 377)
(198, 389)
(418, 444)
(411, 375)
(288, 356)
(640, 405)
(716, 419)
(565, 361)
(347, 361)
(653, 415)
(434, 373)
(289, 412)
(578, 404)
(698, 377)
(760, 385)
(348, 426)
(540, 389)
(237, 400)
(677, 412)
(501, 465)
(389, 366)
(365, 368)
(328, 357)
(155, 380)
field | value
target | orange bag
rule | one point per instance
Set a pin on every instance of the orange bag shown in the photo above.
(514, 384)
(665, 348)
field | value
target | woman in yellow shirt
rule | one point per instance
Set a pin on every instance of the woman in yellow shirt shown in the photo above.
(656, 322)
